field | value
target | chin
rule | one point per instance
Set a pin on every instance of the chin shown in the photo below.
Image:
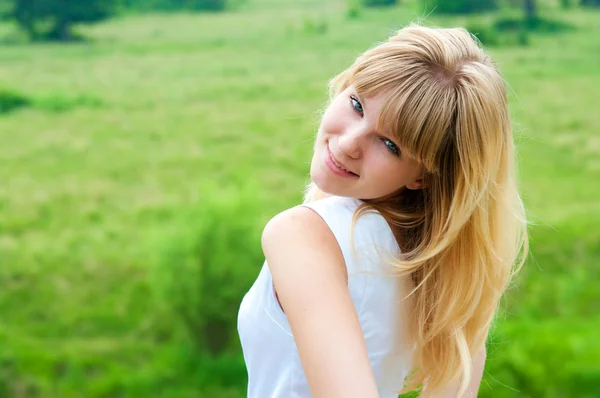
(322, 178)
(327, 187)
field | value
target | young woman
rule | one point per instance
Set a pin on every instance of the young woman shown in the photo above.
(388, 277)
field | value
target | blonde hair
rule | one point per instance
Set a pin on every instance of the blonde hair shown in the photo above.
(464, 235)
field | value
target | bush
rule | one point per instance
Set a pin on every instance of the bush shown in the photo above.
(379, 3)
(54, 19)
(590, 3)
(484, 33)
(56, 102)
(547, 358)
(459, 6)
(540, 25)
(174, 5)
(11, 100)
(353, 9)
(208, 264)
(208, 5)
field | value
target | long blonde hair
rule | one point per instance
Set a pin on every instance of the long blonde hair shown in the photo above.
(464, 235)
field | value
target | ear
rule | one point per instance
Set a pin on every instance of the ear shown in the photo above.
(416, 184)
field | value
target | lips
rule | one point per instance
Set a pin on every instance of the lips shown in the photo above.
(339, 164)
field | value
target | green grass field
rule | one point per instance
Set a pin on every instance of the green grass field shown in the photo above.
(167, 141)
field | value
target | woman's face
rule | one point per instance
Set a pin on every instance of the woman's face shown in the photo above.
(351, 158)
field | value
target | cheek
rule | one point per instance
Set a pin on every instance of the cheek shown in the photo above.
(381, 166)
(390, 173)
(333, 119)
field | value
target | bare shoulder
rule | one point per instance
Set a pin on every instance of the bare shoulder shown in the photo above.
(299, 246)
(296, 228)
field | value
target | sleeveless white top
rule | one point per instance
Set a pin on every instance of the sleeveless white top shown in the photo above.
(270, 353)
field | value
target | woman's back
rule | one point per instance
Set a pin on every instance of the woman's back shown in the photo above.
(379, 299)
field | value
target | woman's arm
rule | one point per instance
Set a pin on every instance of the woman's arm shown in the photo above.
(310, 279)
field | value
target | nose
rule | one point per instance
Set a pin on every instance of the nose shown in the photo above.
(350, 143)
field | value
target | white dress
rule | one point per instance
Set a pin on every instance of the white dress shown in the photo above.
(270, 353)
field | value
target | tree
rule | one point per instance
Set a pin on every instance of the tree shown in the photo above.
(530, 10)
(175, 5)
(458, 6)
(379, 3)
(53, 19)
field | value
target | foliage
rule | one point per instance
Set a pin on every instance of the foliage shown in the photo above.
(485, 33)
(353, 9)
(53, 19)
(57, 102)
(197, 279)
(11, 100)
(458, 6)
(530, 8)
(569, 366)
(208, 5)
(129, 142)
(537, 24)
(379, 3)
(177, 5)
(590, 3)
(507, 29)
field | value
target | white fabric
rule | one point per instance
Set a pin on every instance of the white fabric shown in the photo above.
(270, 353)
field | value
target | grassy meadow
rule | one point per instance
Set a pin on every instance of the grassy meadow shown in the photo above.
(138, 168)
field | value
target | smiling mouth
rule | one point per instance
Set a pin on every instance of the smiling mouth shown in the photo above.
(338, 165)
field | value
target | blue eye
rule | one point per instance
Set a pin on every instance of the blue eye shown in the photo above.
(356, 105)
(391, 146)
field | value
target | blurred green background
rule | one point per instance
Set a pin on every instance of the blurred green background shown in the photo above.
(144, 145)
